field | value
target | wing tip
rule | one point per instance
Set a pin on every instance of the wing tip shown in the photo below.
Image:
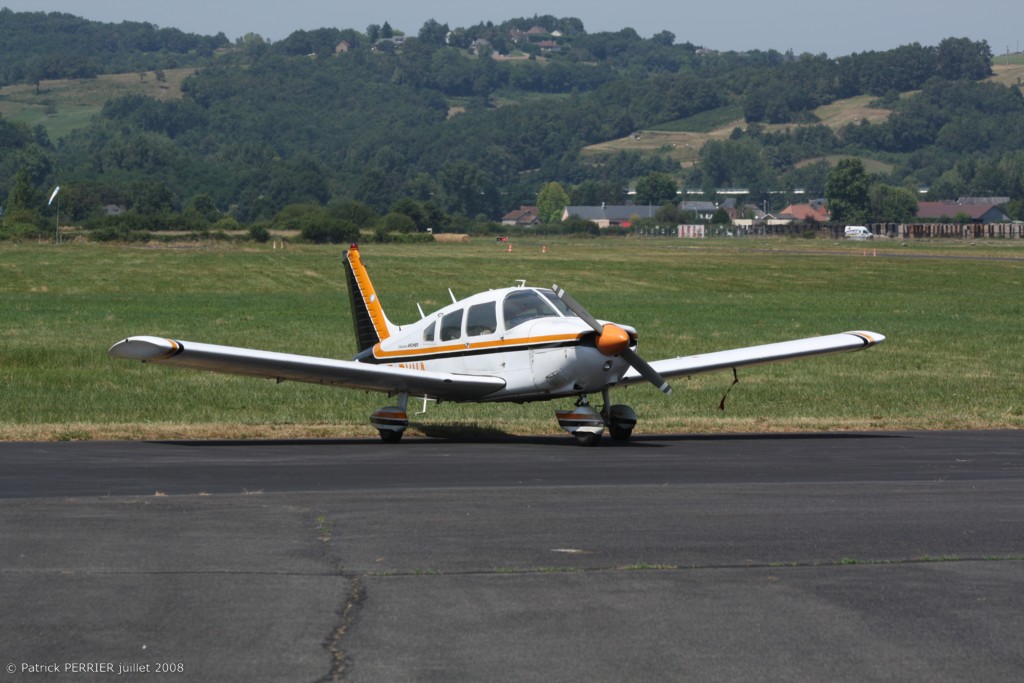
(145, 348)
(869, 338)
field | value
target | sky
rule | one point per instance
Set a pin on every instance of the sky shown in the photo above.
(815, 26)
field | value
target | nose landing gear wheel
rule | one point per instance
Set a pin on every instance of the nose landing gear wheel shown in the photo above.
(583, 422)
(390, 435)
(587, 438)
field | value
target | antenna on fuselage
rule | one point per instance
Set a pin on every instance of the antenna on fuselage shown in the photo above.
(452, 295)
(420, 309)
(520, 283)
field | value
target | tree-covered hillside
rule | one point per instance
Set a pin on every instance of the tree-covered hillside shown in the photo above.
(41, 45)
(472, 122)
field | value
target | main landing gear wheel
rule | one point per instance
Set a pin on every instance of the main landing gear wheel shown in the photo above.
(620, 420)
(391, 421)
(620, 433)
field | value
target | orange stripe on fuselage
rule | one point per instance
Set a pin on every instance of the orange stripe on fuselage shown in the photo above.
(378, 352)
(368, 294)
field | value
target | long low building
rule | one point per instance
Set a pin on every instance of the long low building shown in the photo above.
(609, 215)
(966, 213)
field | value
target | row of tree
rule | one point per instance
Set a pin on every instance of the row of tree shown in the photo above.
(791, 93)
(51, 45)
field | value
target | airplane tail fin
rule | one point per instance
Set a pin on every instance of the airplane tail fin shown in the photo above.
(371, 325)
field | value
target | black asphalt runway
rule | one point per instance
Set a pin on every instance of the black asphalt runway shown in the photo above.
(835, 557)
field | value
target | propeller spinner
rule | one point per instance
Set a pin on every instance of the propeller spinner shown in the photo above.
(613, 340)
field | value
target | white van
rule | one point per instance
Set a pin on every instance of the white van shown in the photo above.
(857, 232)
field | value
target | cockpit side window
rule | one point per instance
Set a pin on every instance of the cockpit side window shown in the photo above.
(525, 305)
(482, 319)
(451, 326)
(428, 334)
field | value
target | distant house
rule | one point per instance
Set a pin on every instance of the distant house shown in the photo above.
(736, 213)
(522, 217)
(610, 215)
(949, 210)
(802, 213)
(731, 208)
(702, 209)
(549, 46)
(342, 47)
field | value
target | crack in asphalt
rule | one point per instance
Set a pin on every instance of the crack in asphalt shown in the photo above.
(347, 615)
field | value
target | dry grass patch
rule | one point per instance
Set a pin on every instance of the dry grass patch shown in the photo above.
(683, 147)
(1007, 74)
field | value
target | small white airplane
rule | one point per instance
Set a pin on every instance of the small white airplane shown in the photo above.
(515, 344)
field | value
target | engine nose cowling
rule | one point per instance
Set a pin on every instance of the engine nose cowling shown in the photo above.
(612, 340)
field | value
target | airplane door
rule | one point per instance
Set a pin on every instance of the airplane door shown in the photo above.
(482, 353)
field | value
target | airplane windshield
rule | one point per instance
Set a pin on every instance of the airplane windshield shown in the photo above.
(524, 305)
(557, 303)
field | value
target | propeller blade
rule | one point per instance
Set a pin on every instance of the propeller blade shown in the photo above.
(577, 308)
(630, 356)
(646, 371)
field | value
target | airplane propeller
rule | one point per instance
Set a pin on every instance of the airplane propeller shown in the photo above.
(612, 340)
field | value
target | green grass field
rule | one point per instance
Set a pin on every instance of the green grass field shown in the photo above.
(63, 106)
(951, 311)
(704, 122)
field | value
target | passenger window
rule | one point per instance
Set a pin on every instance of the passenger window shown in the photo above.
(451, 326)
(428, 334)
(482, 319)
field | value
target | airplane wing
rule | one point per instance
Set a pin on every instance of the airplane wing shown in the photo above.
(285, 366)
(686, 366)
